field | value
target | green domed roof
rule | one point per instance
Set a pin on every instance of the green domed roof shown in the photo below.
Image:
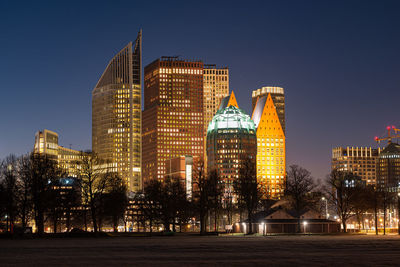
(231, 118)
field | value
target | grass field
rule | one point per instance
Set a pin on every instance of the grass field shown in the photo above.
(340, 250)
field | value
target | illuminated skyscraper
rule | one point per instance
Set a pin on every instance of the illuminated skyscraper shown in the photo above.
(173, 114)
(231, 140)
(278, 97)
(116, 114)
(271, 153)
(388, 171)
(215, 88)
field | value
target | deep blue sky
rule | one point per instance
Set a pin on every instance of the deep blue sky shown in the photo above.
(339, 62)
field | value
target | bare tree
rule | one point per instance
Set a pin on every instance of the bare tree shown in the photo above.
(25, 196)
(169, 198)
(344, 187)
(93, 173)
(215, 191)
(116, 199)
(11, 188)
(201, 195)
(43, 171)
(299, 185)
(248, 190)
(207, 195)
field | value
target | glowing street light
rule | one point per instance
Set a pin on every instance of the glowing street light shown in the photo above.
(326, 207)
(263, 227)
(305, 226)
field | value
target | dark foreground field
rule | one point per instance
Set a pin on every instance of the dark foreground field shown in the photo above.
(208, 250)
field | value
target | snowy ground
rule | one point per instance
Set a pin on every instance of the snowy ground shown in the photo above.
(210, 250)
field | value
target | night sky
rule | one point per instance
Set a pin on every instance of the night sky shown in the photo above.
(339, 63)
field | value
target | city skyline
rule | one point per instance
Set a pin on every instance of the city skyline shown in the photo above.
(331, 77)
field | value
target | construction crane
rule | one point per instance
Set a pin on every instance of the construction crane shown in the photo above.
(389, 136)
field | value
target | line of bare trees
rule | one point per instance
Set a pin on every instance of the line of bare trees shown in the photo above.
(33, 188)
(352, 198)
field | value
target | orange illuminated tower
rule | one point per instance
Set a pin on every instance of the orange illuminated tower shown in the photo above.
(278, 96)
(173, 114)
(271, 155)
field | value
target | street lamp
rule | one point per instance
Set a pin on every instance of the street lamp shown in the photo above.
(305, 226)
(7, 223)
(326, 207)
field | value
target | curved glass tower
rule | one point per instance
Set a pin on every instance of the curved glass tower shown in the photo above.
(116, 114)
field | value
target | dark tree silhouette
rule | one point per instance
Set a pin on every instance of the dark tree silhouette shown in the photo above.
(43, 173)
(207, 195)
(93, 173)
(248, 190)
(11, 189)
(344, 188)
(299, 185)
(169, 199)
(201, 195)
(25, 197)
(115, 199)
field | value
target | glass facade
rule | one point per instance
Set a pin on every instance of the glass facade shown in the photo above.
(116, 114)
(231, 140)
(388, 175)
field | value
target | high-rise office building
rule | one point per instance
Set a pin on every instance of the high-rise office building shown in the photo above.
(116, 114)
(271, 147)
(388, 171)
(173, 114)
(362, 161)
(231, 140)
(46, 143)
(215, 88)
(278, 97)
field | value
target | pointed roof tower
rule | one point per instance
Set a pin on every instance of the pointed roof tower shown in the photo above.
(265, 116)
(229, 101)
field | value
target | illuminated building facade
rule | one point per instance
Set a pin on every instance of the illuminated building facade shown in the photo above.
(116, 114)
(278, 97)
(362, 161)
(388, 175)
(271, 147)
(182, 168)
(46, 143)
(231, 140)
(173, 114)
(215, 88)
